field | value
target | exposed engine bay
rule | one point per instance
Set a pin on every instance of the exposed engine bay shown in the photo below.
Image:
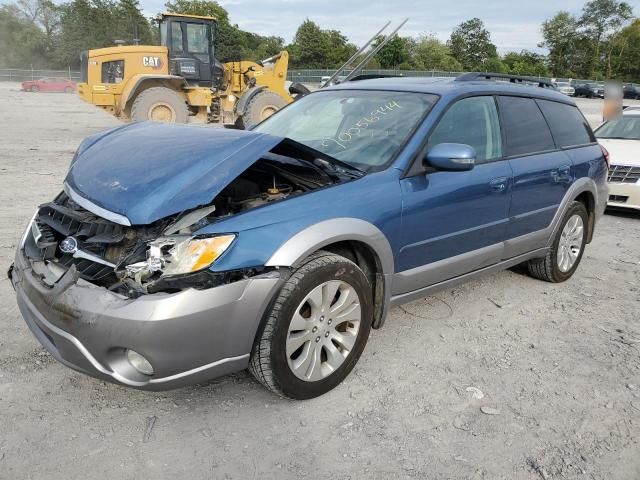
(165, 256)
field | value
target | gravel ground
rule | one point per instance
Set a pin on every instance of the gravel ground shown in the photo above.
(502, 378)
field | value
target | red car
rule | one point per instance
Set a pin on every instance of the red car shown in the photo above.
(49, 84)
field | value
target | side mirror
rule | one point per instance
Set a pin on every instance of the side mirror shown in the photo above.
(451, 157)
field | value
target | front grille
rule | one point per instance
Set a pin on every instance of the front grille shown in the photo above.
(618, 198)
(623, 174)
(63, 218)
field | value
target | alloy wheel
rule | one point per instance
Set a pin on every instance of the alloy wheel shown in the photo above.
(570, 243)
(323, 330)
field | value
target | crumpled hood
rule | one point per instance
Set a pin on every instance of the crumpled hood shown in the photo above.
(148, 171)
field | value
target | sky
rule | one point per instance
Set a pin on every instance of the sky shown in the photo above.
(514, 24)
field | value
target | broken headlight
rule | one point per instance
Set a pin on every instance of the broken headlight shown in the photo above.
(180, 255)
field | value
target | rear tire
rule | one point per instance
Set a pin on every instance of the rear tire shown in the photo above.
(316, 329)
(563, 258)
(159, 104)
(260, 107)
(68, 90)
(35, 88)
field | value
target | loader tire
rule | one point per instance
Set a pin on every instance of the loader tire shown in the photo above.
(260, 107)
(159, 104)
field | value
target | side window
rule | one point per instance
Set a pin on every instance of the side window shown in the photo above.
(567, 124)
(472, 121)
(113, 72)
(525, 128)
(197, 41)
(176, 37)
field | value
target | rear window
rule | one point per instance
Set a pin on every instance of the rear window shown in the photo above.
(113, 71)
(567, 124)
(525, 128)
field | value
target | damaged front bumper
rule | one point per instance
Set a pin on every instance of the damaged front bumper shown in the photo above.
(188, 337)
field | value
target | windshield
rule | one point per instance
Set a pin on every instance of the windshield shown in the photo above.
(626, 127)
(364, 128)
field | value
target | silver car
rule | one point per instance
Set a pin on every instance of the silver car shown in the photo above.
(565, 88)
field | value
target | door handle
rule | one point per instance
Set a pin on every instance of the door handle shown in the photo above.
(561, 174)
(499, 185)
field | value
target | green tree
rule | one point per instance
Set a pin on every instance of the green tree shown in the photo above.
(600, 19)
(471, 45)
(525, 63)
(231, 42)
(46, 16)
(131, 24)
(313, 47)
(89, 24)
(394, 53)
(340, 50)
(21, 41)
(204, 8)
(431, 54)
(309, 48)
(625, 53)
(561, 38)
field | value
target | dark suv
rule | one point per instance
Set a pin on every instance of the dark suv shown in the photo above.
(590, 90)
(631, 90)
(179, 253)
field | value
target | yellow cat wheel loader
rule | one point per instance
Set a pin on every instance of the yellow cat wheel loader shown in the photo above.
(182, 81)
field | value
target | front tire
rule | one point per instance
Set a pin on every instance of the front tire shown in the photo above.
(159, 104)
(316, 329)
(35, 89)
(260, 107)
(567, 249)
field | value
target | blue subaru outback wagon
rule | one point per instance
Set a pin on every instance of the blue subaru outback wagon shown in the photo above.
(175, 254)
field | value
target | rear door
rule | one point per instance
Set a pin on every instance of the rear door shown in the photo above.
(542, 173)
(455, 222)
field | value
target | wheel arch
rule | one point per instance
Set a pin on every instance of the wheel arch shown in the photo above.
(583, 190)
(587, 198)
(246, 98)
(139, 83)
(358, 240)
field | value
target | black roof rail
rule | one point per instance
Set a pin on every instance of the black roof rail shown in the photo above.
(469, 77)
(372, 76)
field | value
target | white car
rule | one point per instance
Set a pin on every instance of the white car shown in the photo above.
(621, 137)
(565, 87)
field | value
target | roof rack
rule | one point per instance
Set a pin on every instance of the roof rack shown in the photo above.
(469, 77)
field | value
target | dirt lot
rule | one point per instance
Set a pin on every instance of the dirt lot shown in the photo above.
(502, 378)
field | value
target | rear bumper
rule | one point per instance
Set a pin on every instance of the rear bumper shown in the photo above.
(188, 337)
(624, 195)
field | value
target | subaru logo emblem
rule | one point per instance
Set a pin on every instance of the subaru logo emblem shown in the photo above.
(69, 245)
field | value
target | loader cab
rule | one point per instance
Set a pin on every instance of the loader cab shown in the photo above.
(190, 41)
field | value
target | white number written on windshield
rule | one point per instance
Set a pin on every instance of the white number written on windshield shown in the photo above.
(361, 125)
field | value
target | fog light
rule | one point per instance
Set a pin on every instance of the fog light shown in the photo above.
(140, 363)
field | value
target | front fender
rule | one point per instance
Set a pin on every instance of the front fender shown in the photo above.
(246, 97)
(326, 232)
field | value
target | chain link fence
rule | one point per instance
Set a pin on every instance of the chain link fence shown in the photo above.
(20, 75)
(308, 76)
(317, 76)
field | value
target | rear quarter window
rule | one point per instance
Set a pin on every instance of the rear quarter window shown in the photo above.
(568, 125)
(526, 130)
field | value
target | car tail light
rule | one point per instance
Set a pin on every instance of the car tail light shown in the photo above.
(605, 152)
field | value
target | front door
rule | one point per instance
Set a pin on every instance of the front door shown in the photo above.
(455, 222)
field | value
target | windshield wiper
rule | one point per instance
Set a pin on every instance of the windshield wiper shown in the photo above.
(338, 167)
(327, 162)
